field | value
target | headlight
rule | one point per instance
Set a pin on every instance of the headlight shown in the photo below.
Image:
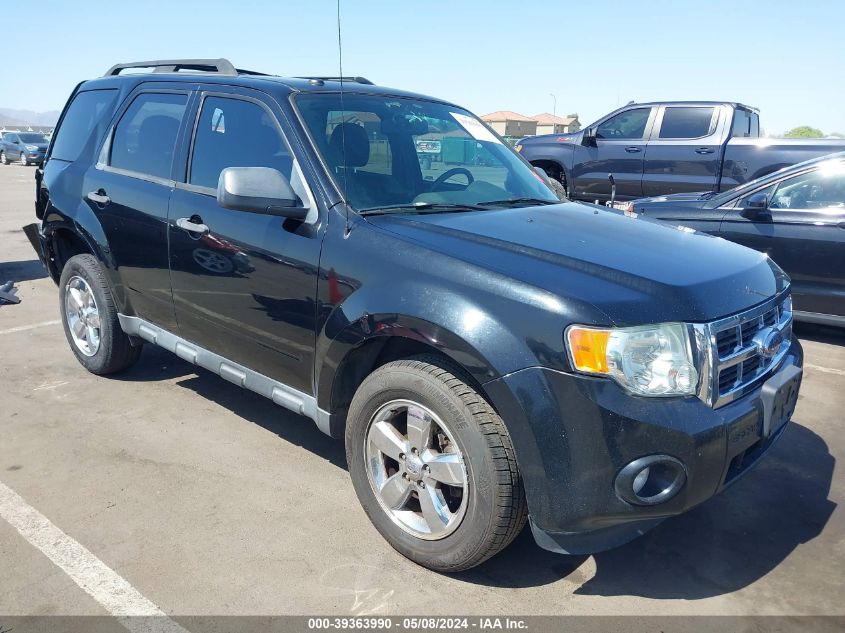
(32, 148)
(653, 360)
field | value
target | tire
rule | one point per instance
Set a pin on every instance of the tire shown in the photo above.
(22, 159)
(492, 509)
(4, 159)
(89, 317)
(558, 188)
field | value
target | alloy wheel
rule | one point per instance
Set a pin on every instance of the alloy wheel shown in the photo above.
(83, 317)
(416, 470)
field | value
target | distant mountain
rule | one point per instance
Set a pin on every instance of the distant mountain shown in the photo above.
(9, 117)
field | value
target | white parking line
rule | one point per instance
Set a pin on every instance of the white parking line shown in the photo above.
(825, 370)
(99, 581)
(24, 328)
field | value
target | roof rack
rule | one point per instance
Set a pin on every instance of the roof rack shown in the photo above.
(357, 80)
(214, 66)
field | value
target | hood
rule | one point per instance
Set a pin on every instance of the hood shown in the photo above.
(633, 269)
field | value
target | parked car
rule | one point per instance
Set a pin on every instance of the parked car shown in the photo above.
(487, 353)
(668, 147)
(796, 216)
(26, 148)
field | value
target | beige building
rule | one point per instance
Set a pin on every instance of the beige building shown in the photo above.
(550, 124)
(511, 124)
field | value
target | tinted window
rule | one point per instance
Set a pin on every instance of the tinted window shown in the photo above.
(822, 188)
(625, 125)
(146, 134)
(87, 110)
(235, 133)
(746, 124)
(687, 122)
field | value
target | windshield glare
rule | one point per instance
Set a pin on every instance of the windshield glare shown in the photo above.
(32, 138)
(402, 151)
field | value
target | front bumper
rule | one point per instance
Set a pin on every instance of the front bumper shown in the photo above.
(573, 434)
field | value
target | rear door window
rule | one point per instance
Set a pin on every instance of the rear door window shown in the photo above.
(145, 136)
(688, 122)
(88, 110)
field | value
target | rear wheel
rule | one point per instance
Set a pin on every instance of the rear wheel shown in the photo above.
(433, 465)
(3, 158)
(90, 318)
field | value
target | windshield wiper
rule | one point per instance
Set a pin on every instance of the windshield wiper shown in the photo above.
(422, 206)
(520, 201)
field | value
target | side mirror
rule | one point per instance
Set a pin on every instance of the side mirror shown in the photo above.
(543, 175)
(755, 204)
(258, 190)
(589, 138)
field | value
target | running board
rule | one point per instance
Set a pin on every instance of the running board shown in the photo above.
(278, 392)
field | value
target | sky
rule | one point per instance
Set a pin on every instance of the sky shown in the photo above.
(786, 58)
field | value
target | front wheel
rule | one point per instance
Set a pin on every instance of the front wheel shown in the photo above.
(433, 465)
(558, 188)
(22, 159)
(90, 321)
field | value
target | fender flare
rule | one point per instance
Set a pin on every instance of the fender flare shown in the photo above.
(84, 226)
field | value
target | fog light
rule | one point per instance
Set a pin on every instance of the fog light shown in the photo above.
(650, 480)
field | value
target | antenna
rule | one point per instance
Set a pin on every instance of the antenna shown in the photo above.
(347, 228)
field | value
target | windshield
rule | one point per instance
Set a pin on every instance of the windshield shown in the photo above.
(404, 153)
(32, 138)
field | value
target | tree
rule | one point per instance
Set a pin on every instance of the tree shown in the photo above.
(804, 131)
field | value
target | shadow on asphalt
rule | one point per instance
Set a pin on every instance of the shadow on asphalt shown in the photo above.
(820, 333)
(158, 364)
(719, 547)
(22, 271)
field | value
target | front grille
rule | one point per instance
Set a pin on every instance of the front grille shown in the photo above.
(739, 358)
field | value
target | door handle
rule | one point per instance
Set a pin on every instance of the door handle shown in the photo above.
(633, 149)
(192, 227)
(842, 225)
(704, 150)
(99, 197)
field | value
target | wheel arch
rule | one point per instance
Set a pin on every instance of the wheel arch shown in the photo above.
(376, 340)
(553, 166)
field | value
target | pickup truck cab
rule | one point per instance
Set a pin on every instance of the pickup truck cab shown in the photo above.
(663, 148)
(487, 353)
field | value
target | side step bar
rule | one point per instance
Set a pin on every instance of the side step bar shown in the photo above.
(278, 392)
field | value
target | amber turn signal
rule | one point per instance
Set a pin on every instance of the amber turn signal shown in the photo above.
(588, 349)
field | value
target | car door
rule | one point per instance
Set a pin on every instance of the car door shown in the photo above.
(129, 190)
(617, 148)
(13, 147)
(244, 284)
(684, 151)
(803, 231)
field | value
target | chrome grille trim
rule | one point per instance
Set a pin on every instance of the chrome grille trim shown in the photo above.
(739, 367)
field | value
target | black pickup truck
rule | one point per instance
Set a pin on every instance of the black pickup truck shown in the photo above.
(654, 149)
(489, 354)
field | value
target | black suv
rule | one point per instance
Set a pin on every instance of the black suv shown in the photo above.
(383, 263)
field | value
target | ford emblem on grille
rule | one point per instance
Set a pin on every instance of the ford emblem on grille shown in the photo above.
(768, 341)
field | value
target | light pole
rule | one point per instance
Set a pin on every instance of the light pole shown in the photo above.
(554, 113)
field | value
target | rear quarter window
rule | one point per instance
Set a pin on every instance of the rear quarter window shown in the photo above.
(89, 110)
